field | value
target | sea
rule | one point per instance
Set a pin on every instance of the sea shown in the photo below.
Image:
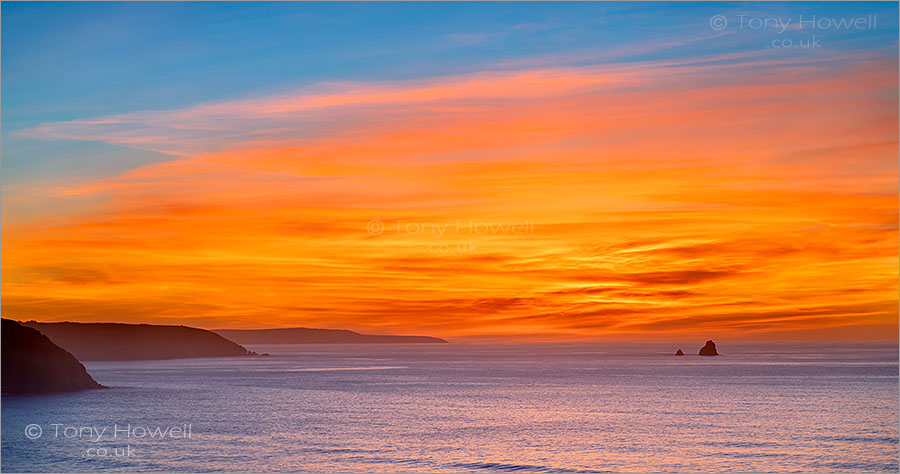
(576, 407)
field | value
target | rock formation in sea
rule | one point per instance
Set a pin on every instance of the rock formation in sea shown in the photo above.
(317, 336)
(709, 349)
(679, 353)
(115, 341)
(31, 363)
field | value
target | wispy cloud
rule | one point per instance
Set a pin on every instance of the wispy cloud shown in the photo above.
(666, 196)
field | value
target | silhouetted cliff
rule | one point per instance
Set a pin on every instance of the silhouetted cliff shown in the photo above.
(31, 363)
(317, 336)
(115, 341)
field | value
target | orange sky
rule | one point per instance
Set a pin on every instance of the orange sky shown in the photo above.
(656, 200)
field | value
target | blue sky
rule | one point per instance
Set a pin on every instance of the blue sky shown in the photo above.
(68, 61)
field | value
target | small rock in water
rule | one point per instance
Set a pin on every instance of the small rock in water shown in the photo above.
(679, 353)
(709, 349)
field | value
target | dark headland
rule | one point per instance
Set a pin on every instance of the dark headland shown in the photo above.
(31, 363)
(116, 341)
(318, 336)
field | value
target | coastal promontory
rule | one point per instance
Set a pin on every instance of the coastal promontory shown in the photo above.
(116, 341)
(31, 363)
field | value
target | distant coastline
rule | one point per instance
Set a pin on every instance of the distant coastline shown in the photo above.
(119, 341)
(123, 341)
(318, 336)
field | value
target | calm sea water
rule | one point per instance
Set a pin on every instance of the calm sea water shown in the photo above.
(474, 408)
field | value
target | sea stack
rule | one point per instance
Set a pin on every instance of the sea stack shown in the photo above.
(34, 364)
(679, 353)
(709, 349)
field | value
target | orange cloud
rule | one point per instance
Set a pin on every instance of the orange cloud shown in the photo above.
(638, 201)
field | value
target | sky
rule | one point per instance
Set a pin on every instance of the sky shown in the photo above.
(475, 171)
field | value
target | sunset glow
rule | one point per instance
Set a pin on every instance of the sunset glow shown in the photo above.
(742, 195)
